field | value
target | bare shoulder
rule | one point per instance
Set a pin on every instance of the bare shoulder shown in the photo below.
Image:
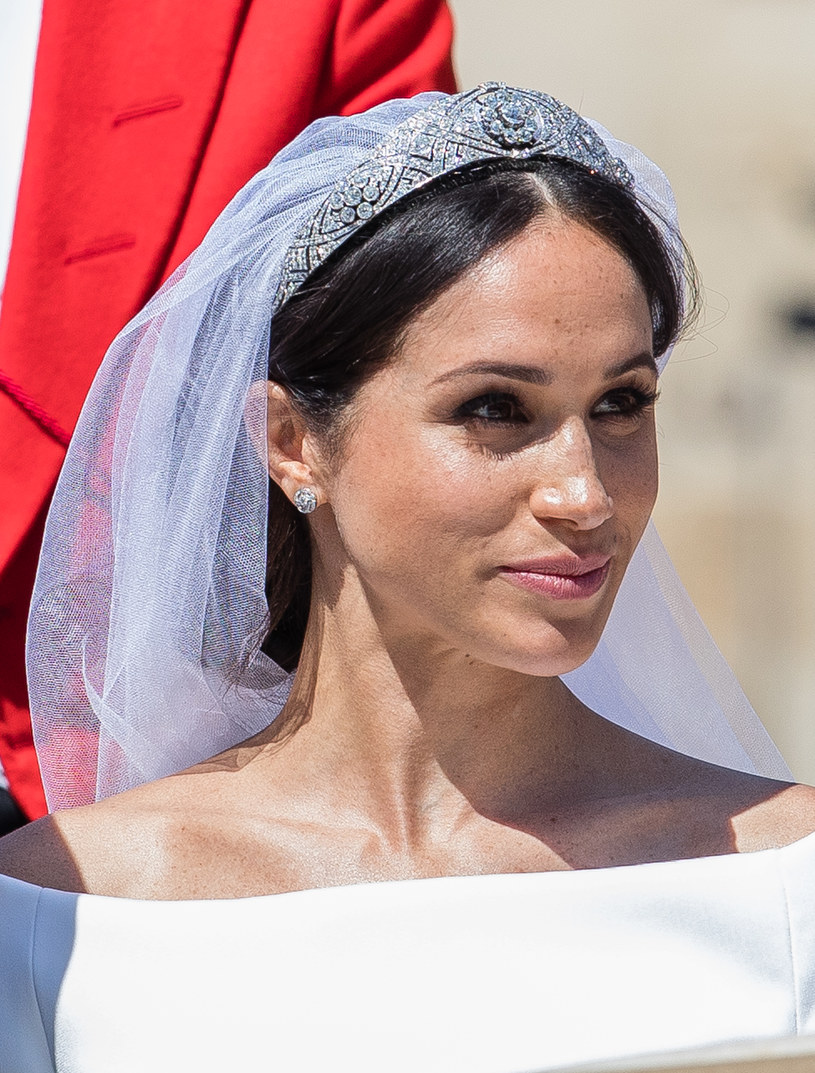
(781, 814)
(37, 853)
(764, 813)
(702, 808)
(122, 846)
(199, 834)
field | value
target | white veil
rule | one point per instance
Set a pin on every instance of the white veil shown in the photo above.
(150, 592)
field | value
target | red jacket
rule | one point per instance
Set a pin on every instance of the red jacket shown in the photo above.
(146, 118)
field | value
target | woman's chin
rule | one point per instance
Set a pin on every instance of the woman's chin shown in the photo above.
(546, 656)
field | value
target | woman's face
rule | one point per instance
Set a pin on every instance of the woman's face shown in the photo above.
(497, 475)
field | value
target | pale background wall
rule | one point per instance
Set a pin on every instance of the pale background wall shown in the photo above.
(721, 93)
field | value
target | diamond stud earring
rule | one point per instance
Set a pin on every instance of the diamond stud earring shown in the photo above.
(305, 500)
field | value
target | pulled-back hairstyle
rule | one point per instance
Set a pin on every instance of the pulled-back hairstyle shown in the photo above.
(349, 318)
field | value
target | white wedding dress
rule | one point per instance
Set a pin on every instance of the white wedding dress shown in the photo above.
(484, 974)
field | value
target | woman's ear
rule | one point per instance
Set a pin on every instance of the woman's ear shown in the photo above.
(287, 447)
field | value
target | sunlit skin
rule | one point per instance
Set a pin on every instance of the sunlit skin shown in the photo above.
(474, 525)
(517, 424)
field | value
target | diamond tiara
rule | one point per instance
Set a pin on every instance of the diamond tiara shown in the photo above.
(492, 120)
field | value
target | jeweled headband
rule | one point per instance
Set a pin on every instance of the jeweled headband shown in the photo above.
(492, 120)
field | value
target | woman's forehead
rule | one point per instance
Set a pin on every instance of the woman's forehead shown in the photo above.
(555, 285)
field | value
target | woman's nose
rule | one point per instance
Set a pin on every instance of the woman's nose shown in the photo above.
(569, 487)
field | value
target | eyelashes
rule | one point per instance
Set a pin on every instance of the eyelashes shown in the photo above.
(502, 408)
(494, 407)
(627, 401)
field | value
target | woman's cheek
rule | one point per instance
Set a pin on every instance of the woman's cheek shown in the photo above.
(414, 506)
(462, 491)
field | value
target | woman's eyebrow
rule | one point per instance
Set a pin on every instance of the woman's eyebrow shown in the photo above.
(646, 360)
(534, 374)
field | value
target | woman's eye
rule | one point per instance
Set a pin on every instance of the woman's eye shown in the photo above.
(494, 406)
(625, 402)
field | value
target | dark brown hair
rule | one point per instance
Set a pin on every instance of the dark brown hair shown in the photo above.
(348, 319)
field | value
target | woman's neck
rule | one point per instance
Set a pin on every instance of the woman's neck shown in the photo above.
(412, 735)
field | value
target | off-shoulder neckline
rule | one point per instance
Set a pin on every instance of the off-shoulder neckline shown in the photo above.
(590, 875)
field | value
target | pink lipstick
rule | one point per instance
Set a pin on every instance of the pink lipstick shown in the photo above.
(567, 577)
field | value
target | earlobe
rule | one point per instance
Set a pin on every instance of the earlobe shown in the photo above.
(282, 440)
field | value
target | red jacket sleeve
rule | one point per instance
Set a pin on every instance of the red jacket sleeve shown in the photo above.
(383, 49)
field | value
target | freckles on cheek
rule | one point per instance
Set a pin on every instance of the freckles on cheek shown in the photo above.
(420, 512)
(409, 482)
(449, 465)
(425, 490)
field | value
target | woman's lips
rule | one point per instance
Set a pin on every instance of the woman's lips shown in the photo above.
(560, 579)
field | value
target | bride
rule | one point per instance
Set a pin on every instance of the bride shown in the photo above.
(443, 643)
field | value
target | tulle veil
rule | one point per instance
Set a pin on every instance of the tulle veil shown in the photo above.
(151, 580)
